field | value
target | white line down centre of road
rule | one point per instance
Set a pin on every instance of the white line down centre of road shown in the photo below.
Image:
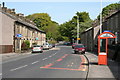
(44, 58)
(50, 56)
(19, 68)
(0, 74)
(35, 62)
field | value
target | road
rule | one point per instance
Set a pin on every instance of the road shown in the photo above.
(60, 63)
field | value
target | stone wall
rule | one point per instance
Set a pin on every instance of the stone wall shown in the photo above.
(111, 23)
(15, 23)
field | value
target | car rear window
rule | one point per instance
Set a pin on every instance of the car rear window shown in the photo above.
(36, 46)
(79, 46)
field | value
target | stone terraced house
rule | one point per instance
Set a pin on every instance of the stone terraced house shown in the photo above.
(15, 28)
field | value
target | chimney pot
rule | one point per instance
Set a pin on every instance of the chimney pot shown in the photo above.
(13, 10)
(20, 14)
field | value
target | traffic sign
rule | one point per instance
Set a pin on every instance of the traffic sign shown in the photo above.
(78, 38)
(36, 38)
(106, 31)
(19, 35)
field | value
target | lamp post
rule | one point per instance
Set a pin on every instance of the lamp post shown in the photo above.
(77, 29)
(101, 21)
(100, 16)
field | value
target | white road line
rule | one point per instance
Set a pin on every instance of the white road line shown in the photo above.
(53, 54)
(35, 62)
(44, 58)
(19, 68)
(0, 74)
(50, 56)
(56, 53)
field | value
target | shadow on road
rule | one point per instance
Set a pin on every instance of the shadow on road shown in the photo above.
(90, 63)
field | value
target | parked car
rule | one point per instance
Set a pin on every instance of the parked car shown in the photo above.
(37, 48)
(46, 46)
(50, 46)
(73, 45)
(79, 48)
(53, 45)
(67, 43)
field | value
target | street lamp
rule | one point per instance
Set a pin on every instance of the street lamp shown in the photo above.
(77, 29)
(101, 17)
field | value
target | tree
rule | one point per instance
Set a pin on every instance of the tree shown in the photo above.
(43, 21)
(40, 19)
(109, 9)
(69, 29)
(25, 45)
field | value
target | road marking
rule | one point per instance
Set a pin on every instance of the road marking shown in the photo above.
(81, 67)
(72, 63)
(50, 56)
(0, 74)
(35, 62)
(68, 65)
(44, 58)
(19, 68)
(54, 54)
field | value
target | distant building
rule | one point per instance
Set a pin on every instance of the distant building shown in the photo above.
(15, 29)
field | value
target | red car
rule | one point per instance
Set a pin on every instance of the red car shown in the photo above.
(79, 48)
(73, 45)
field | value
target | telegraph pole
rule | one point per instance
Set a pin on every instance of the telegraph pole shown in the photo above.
(77, 29)
(101, 17)
(101, 22)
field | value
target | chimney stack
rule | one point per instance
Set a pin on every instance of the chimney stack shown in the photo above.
(3, 4)
(13, 10)
(21, 15)
(0, 7)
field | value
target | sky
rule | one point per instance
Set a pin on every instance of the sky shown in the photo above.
(59, 11)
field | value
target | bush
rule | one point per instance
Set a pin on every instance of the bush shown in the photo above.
(25, 45)
(52, 42)
(34, 43)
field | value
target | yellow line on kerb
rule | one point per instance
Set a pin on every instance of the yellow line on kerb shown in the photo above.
(85, 66)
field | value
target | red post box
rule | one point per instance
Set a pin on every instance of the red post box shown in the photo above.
(103, 51)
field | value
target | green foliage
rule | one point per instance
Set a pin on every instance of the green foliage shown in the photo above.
(66, 31)
(25, 45)
(108, 9)
(69, 29)
(52, 42)
(83, 16)
(40, 19)
(43, 21)
(34, 43)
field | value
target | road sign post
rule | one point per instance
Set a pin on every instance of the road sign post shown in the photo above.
(103, 51)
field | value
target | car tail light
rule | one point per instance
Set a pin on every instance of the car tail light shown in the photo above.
(83, 49)
(76, 49)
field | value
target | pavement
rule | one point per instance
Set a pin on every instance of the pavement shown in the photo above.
(105, 72)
